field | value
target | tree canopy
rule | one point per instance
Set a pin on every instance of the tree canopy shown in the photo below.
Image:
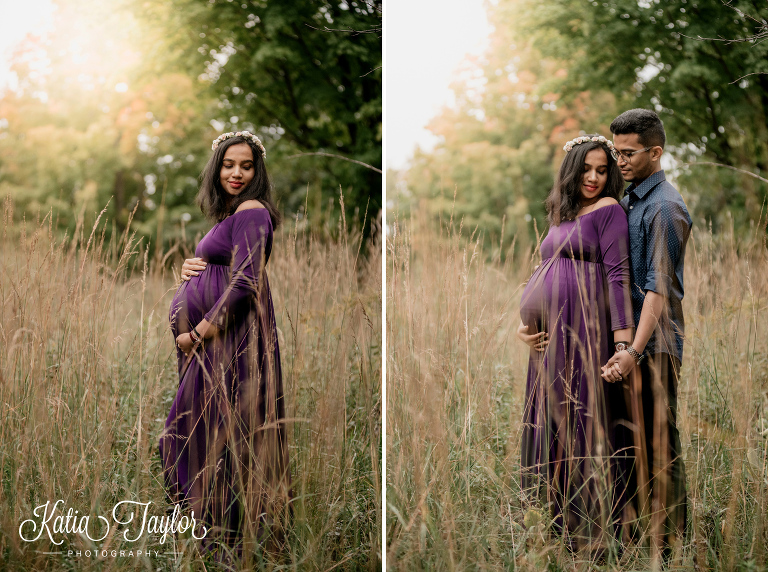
(119, 103)
(306, 74)
(555, 69)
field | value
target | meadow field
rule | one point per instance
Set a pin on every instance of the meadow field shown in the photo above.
(88, 374)
(455, 387)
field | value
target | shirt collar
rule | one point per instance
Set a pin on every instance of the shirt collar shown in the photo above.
(647, 185)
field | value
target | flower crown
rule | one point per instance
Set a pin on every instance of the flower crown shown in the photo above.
(597, 139)
(246, 134)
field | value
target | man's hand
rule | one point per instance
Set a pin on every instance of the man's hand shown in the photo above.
(618, 366)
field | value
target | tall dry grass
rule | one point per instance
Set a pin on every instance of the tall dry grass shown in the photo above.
(456, 383)
(88, 374)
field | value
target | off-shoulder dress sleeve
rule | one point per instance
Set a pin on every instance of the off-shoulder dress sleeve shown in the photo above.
(250, 231)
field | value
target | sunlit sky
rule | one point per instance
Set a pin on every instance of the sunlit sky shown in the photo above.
(427, 40)
(17, 19)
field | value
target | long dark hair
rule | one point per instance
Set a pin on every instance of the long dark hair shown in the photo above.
(214, 201)
(563, 201)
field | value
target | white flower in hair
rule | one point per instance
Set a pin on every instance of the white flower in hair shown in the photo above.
(246, 134)
(597, 139)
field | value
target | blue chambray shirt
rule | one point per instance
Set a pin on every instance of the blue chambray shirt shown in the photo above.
(659, 227)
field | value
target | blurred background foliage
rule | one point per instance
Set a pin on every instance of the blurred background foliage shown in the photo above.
(555, 69)
(118, 104)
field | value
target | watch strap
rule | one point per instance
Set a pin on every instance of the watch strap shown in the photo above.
(635, 355)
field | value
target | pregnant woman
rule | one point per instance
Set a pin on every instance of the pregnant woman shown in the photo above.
(224, 447)
(574, 311)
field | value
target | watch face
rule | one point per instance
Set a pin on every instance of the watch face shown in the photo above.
(621, 346)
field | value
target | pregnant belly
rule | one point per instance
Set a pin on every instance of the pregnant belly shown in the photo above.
(544, 287)
(557, 286)
(196, 297)
(534, 303)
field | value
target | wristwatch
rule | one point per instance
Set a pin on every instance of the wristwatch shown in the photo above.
(635, 356)
(620, 346)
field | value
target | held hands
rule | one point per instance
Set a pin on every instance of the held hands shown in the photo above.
(618, 367)
(192, 267)
(538, 341)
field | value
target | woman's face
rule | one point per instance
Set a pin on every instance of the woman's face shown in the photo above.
(237, 169)
(595, 174)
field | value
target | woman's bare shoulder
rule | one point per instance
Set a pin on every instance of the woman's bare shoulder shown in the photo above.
(599, 205)
(250, 204)
(606, 201)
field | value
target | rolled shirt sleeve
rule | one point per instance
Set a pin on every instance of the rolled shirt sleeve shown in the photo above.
(667, 232)
(659, 228)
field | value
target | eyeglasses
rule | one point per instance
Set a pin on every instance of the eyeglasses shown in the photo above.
(628, 156)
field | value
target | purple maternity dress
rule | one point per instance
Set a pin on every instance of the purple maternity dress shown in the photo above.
(576, 441)
(224, 447)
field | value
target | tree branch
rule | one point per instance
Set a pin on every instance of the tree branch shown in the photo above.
(321, 154)
(747, 75)
(745, 172)
(374, 30)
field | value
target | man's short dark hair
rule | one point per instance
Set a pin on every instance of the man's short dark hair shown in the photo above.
(647, 125)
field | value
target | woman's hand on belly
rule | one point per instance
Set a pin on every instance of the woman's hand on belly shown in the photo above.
(536, 341)
(192, 267)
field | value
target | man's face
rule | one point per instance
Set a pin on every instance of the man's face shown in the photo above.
(640, 165)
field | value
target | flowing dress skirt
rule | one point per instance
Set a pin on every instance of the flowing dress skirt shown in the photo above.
(224, 447)
(576, 441)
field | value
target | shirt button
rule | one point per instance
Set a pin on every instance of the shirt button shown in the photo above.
(630, 208)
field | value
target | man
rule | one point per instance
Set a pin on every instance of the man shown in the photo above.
(659, 226)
